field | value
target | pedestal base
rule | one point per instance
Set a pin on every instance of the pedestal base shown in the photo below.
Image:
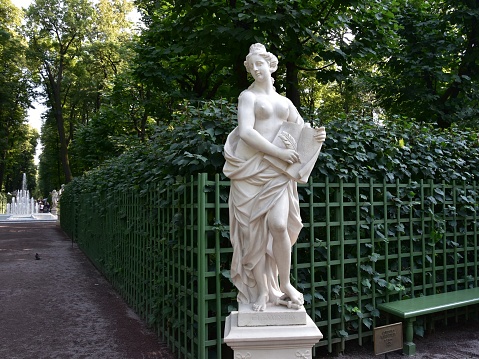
(266, 342)
(273, 315)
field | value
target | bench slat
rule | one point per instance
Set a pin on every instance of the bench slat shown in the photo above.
(432, 303)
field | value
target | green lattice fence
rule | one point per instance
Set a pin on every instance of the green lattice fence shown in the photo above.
(167, 252)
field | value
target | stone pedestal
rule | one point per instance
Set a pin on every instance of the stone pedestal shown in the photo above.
(271, 341)
(273, 315)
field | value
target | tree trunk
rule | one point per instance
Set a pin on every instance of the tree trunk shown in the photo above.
(3, 157)
(292, 90)
(468, 67)
(63, 146)
(239, 70)
(55, 99)
(2, 169)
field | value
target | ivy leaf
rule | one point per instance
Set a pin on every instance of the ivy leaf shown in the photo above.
(366, 282)
(419, 330)
(374, 257)
(308, 298)
(367, 268)
(367, 322)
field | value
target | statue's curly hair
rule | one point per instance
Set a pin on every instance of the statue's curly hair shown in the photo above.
(260, 49)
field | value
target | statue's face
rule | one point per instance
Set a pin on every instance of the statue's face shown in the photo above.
(259, 68)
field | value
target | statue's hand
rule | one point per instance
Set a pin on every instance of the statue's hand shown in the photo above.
(320, 134)
(288, 155)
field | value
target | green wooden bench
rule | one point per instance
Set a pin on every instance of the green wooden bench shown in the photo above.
(409, 309)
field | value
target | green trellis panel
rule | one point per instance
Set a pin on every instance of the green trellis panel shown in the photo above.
(167, 252)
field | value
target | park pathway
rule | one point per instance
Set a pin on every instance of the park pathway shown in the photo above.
(59, 306)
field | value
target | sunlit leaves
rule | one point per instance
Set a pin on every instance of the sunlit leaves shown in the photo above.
(77, 47)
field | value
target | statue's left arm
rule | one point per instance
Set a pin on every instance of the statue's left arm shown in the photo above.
(294, 115)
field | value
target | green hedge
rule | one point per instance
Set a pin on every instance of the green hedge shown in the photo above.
(356, 147)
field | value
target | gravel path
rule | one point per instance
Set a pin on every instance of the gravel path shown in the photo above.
(60, 306)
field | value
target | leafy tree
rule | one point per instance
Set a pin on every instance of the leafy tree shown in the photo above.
(14, 90)
(75, 46)
(197, 50)
(191, 143)
(56, 30)
(122, 122)
(327, 49)
(432, 73)
(50, 173)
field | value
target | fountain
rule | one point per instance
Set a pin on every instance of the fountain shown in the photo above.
(22, 204)
(23, 207)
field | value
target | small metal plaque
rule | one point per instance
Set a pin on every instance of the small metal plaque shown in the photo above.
(388, 338)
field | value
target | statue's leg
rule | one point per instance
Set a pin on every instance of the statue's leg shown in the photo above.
(259, 272)
(278, 226)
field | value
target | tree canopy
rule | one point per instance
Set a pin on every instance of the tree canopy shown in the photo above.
(108, 83)
(15, 92)
(76, 48)
(432, 74)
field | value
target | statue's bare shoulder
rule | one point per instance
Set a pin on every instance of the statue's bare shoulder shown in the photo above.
(247, 95)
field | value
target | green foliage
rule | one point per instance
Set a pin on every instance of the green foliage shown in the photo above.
(397, 149)
(50, 174)
(122, 122)
(356, 147)
(431, 73)
(76, 47)
(197, 50)
(191, 143)
(392, 57)
(14, 98)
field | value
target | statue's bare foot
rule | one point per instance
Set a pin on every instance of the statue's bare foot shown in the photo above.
(293, 294)
(260, 304)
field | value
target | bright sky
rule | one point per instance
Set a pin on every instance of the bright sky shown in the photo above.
(21, 3)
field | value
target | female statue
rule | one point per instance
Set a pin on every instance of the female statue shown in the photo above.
(263, 204)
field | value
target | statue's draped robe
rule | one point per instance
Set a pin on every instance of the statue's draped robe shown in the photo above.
(255, 188)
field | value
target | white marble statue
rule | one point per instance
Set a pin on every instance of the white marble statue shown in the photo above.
(54, 198)
(263, 203)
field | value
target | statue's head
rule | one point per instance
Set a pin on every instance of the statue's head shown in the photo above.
(260, 49)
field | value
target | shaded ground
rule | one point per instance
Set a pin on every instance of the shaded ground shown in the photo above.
(456, 341)
(60, 306)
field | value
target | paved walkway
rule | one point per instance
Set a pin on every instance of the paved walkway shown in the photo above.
(59, 306)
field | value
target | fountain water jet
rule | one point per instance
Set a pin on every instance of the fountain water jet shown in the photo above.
(22, 204)
(23, 207)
